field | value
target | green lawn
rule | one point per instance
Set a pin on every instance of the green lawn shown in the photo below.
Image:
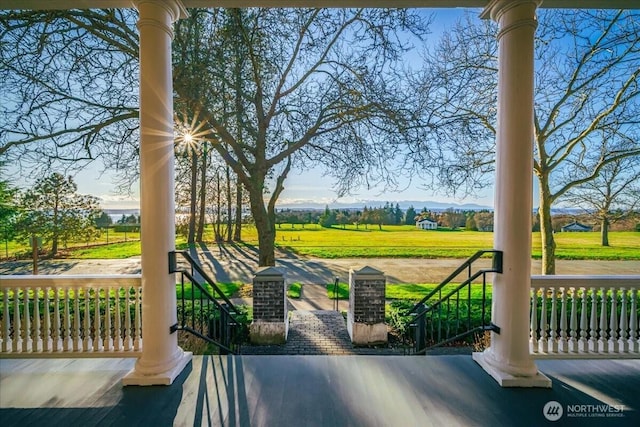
(228, 289)
(409, 292)
(396, 242)
(295, 290)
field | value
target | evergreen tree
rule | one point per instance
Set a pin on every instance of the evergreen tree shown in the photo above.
(54, 210)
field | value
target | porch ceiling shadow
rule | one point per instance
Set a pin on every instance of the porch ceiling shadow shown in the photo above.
(86, 4)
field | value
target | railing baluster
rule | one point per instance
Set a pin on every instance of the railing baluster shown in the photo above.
(543, 343)
(128, 335)
(117, 326)
(77, 336)
(57, 326)
(97, 332)
(7, 342)
(137, 342)
(17, 326)
(46, 332)
(87, 344)
(583, 343)
(36, 321)
(613, 322)
(593, 326)
(553, 327)
(563, 344)
(623, 343)
(27, 342)
(533, 330)
(634, 342)
(108, 337)
(573, 341)
(67, 344)
(604, 323)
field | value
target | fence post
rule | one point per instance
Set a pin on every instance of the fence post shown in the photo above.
(270, 318)
(365, 318)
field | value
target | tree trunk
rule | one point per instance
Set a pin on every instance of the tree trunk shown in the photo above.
(604, 231)
(265, 225)
(546, 232)
(229, 207)
(194, 193)
(237, 233)
(203, 194)
(218, 226)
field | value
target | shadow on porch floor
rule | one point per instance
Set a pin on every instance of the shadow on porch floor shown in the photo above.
(314, 391)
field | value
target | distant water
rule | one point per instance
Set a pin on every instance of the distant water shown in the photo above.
(116, 214)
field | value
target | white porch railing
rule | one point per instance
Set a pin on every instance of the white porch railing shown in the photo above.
(70, 316)
(584, 317)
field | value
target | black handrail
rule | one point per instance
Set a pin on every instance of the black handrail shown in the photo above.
(207, 318)
(426, 320)
(496, 268)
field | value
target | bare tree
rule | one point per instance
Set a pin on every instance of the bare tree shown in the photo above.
(586, 104)
(70, 92)
(318, 86)
(610, 197)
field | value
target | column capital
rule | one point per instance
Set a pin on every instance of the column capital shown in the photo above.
(175, 8)
(496, 8)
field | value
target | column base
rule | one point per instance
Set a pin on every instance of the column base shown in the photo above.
(364, 334)
(161, 378)
(268, 333)
(539, 380)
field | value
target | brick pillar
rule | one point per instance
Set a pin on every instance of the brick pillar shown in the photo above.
(365, 318)
(270, 317)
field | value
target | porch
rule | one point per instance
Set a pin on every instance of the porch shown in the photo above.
(315, 391)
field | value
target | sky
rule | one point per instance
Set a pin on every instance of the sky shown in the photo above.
(309, 185)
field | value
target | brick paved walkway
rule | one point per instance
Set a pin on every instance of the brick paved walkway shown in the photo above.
(318, 332)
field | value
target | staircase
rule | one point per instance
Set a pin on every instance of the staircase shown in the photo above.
(200, 311)
(452, 312)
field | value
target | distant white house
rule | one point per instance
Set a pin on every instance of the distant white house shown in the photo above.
(576, 226)
(425, 224)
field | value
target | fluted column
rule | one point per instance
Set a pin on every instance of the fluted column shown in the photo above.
(162, 360)
(508, 359)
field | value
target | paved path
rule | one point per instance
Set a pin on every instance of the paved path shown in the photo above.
(318, 332)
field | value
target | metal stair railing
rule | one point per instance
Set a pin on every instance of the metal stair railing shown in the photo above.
(205, 317)
(439, 319)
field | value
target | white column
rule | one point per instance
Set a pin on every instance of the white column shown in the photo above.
(508, 359)
(162, 360)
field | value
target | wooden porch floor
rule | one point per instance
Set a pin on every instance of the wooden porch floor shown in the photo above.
(311, 391)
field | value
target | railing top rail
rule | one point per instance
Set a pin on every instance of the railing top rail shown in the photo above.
(62, 280)
(576, 281)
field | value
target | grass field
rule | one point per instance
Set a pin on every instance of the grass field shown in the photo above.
(396, 242)
(407, 242)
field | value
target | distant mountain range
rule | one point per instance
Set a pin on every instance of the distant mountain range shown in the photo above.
(404, 205)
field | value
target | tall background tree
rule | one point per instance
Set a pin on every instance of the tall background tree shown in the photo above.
(612, 196)
(318, 86)
(587, 105)
(54, 211)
